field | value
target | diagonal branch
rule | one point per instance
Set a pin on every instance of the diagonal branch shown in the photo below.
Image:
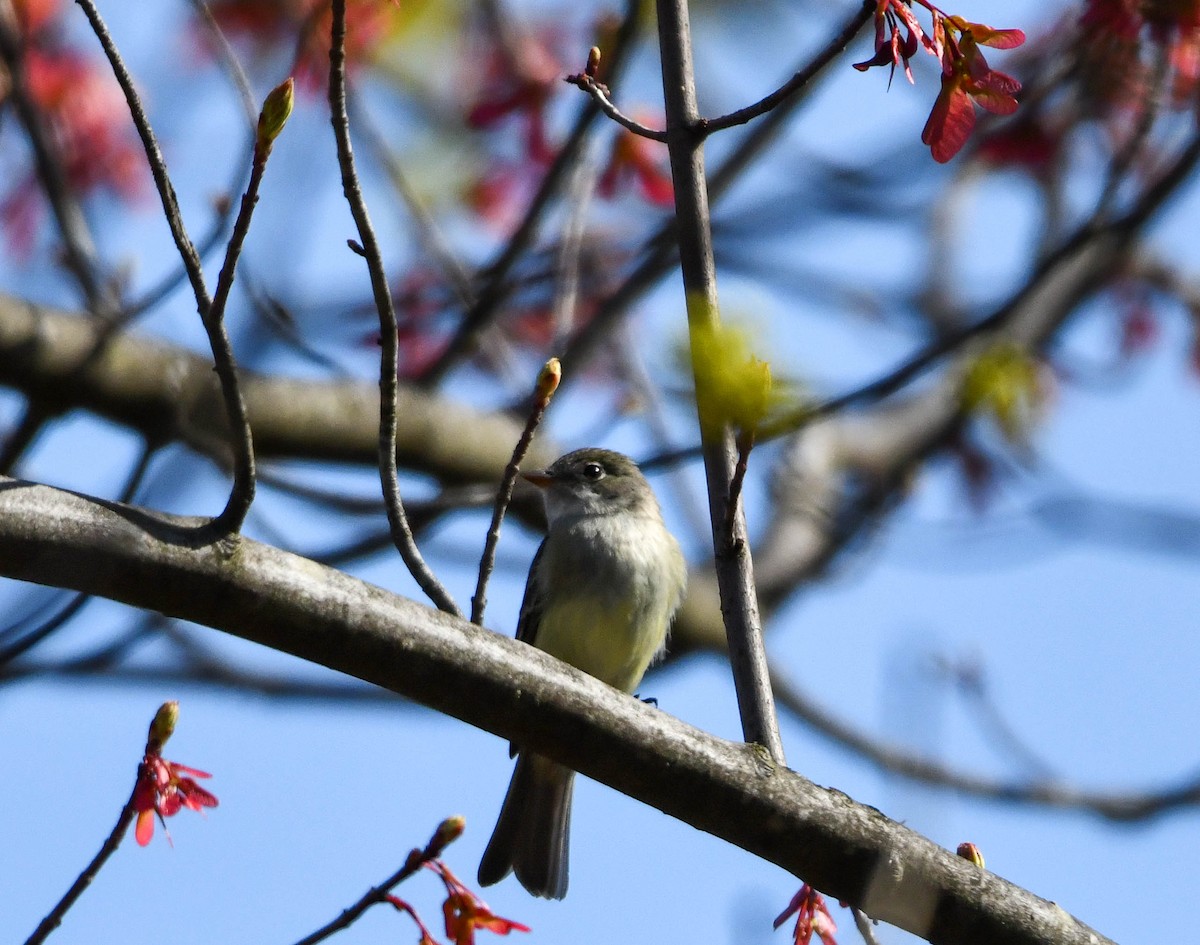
(733, 791)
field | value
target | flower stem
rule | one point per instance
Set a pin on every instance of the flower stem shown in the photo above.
(55, 916)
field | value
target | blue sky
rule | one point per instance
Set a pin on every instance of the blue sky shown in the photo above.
(1088, 647)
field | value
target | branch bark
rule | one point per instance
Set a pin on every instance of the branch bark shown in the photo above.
(735, 792)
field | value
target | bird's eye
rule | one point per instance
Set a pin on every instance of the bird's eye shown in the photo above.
(593, 471)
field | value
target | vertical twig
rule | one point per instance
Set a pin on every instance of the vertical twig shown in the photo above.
(275, 112)
(402, 535)
(547, 384)
(735, 568)
(214, 325)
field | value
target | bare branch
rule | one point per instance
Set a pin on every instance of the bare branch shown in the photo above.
(214, 324)
(735, 567)
(547, 384)
(388, 366)
(851, 851)
(601, 96)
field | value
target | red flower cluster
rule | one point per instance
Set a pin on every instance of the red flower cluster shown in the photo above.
(163, 787)
(812, 917)
(967, 79)
(463, 911)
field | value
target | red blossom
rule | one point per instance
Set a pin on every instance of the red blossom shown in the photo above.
(517, 83)
(890, 47)
(464, 911)
(638, 159)
(164, 788)
(967, 80)
(812, 917)
(966, 77)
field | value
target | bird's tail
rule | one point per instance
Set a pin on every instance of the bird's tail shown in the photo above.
(532, 835)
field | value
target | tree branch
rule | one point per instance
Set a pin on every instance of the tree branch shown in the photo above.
(731, 545)
(735, 792)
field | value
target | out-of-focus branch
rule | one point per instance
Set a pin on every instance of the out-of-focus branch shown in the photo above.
(168, 393)
(735, 792)
(1119, 806)
(79, 250)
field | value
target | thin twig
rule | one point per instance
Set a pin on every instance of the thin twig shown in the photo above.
(745, 443)
(388, 342)
(601, 96)
(734, 565)
(447, 832)
(241, 496)
(775, 99)
(547, 384)
(222, 351)
(659, 251)
(54, 918)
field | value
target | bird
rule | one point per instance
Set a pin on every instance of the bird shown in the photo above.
(602, 591)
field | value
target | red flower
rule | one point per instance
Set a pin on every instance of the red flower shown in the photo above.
(518, 83)
(966, 76)
(464, 912)
(812, 917)
(966, 80)
(639, 159)
(889, 46)
(163, 787)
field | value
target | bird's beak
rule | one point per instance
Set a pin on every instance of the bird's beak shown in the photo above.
(539, 478)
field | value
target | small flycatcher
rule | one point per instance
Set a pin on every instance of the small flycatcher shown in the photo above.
(601, 593)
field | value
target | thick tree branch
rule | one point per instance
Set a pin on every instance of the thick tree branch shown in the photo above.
(735, 792)
(168, 393)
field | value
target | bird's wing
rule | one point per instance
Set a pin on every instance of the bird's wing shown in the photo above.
(531, 603)
(531, 614)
